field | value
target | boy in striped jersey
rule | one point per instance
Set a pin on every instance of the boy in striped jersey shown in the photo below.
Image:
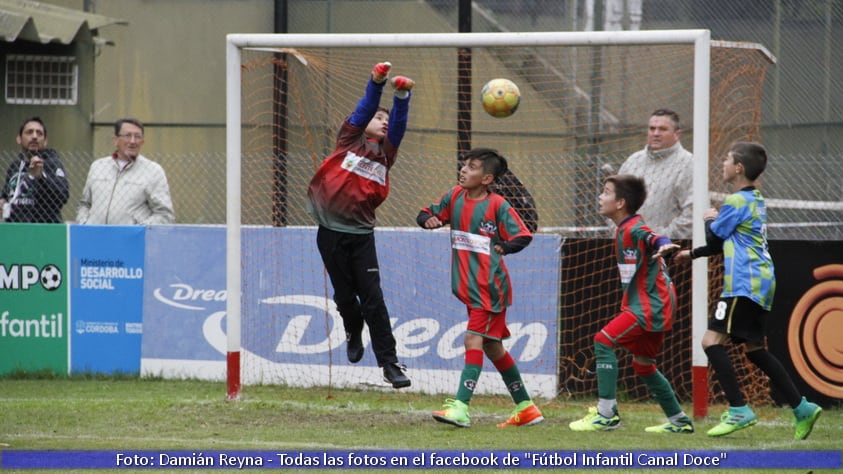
(484, 228)
(646, 314)
(739, 231)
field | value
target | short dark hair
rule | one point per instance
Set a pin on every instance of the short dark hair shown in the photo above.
(630, 188)
(119, 124)
(673, 116)
(32, 119)
(753, 157)
(382, 109)
(493, 162)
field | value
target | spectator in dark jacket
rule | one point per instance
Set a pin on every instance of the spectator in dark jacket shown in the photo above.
(36, 187)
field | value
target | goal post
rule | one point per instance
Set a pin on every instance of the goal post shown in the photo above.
(699, 272)
(232, 218)
(389, 45)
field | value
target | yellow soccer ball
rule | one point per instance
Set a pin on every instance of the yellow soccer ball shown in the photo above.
(500, 97)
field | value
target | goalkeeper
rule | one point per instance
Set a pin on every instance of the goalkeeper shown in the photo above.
(343, 195)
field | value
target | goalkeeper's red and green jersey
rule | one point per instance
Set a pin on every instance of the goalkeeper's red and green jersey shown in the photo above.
(479, 277)
(354, 179)
(351, 182)
(648, 291)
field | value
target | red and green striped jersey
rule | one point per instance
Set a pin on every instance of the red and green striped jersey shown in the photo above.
(479, 277)
(648, 291)
(351, 182)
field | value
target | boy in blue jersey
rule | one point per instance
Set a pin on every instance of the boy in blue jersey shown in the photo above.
(739, 231)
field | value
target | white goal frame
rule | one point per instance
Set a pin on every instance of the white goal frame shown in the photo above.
(235, 43)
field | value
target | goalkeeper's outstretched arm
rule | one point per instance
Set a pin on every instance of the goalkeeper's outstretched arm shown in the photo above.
(400, 112)
(367, 106)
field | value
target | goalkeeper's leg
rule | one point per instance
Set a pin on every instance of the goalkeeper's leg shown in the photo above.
(338, 265)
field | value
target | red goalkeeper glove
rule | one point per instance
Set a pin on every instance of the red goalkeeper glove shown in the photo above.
(401, 83)
(380, 72)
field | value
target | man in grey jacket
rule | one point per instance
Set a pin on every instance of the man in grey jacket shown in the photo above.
(667, 169)
(126, 188)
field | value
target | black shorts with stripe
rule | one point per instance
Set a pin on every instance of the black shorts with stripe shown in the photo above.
(741, 318)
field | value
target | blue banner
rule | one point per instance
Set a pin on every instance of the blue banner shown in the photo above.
(291, 331)
(419, 299)
(185, 292)
(672, 460)
(107, 278)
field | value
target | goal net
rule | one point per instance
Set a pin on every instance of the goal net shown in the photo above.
(585, 102)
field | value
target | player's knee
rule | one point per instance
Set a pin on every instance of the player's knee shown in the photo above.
(643, 368)
(494, 350)
(712, 338)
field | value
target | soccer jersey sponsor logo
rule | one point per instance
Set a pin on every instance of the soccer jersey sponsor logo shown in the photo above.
(471, 242)
(488, 228)
(365, 168)
(627, 268)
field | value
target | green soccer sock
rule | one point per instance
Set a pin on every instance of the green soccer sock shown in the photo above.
(512, 378)
(663, 392)
(470, 375)
(607, 371)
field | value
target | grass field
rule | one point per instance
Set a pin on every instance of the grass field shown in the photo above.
(151, 414)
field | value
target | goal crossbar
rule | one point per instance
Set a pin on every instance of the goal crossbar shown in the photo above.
(468, 40)
(699, 38)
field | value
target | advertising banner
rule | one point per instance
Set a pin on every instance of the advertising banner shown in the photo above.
(185, 292)
(107, 269)
(33, 298)
(804, 329)
(291, 331)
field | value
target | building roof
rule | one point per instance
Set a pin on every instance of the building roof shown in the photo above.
(42, 23)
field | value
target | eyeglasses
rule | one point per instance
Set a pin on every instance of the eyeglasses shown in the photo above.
(129, 136)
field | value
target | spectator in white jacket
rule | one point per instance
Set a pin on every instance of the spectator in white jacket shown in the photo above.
(126, 188)
(667, 168)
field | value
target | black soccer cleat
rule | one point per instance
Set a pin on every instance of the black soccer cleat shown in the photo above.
(354, 348)
(394, 374)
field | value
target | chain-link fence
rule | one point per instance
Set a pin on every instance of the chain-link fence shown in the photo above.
(797, 189)
(802, 103)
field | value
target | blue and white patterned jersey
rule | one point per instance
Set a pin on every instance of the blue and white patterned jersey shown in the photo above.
(748, 266)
